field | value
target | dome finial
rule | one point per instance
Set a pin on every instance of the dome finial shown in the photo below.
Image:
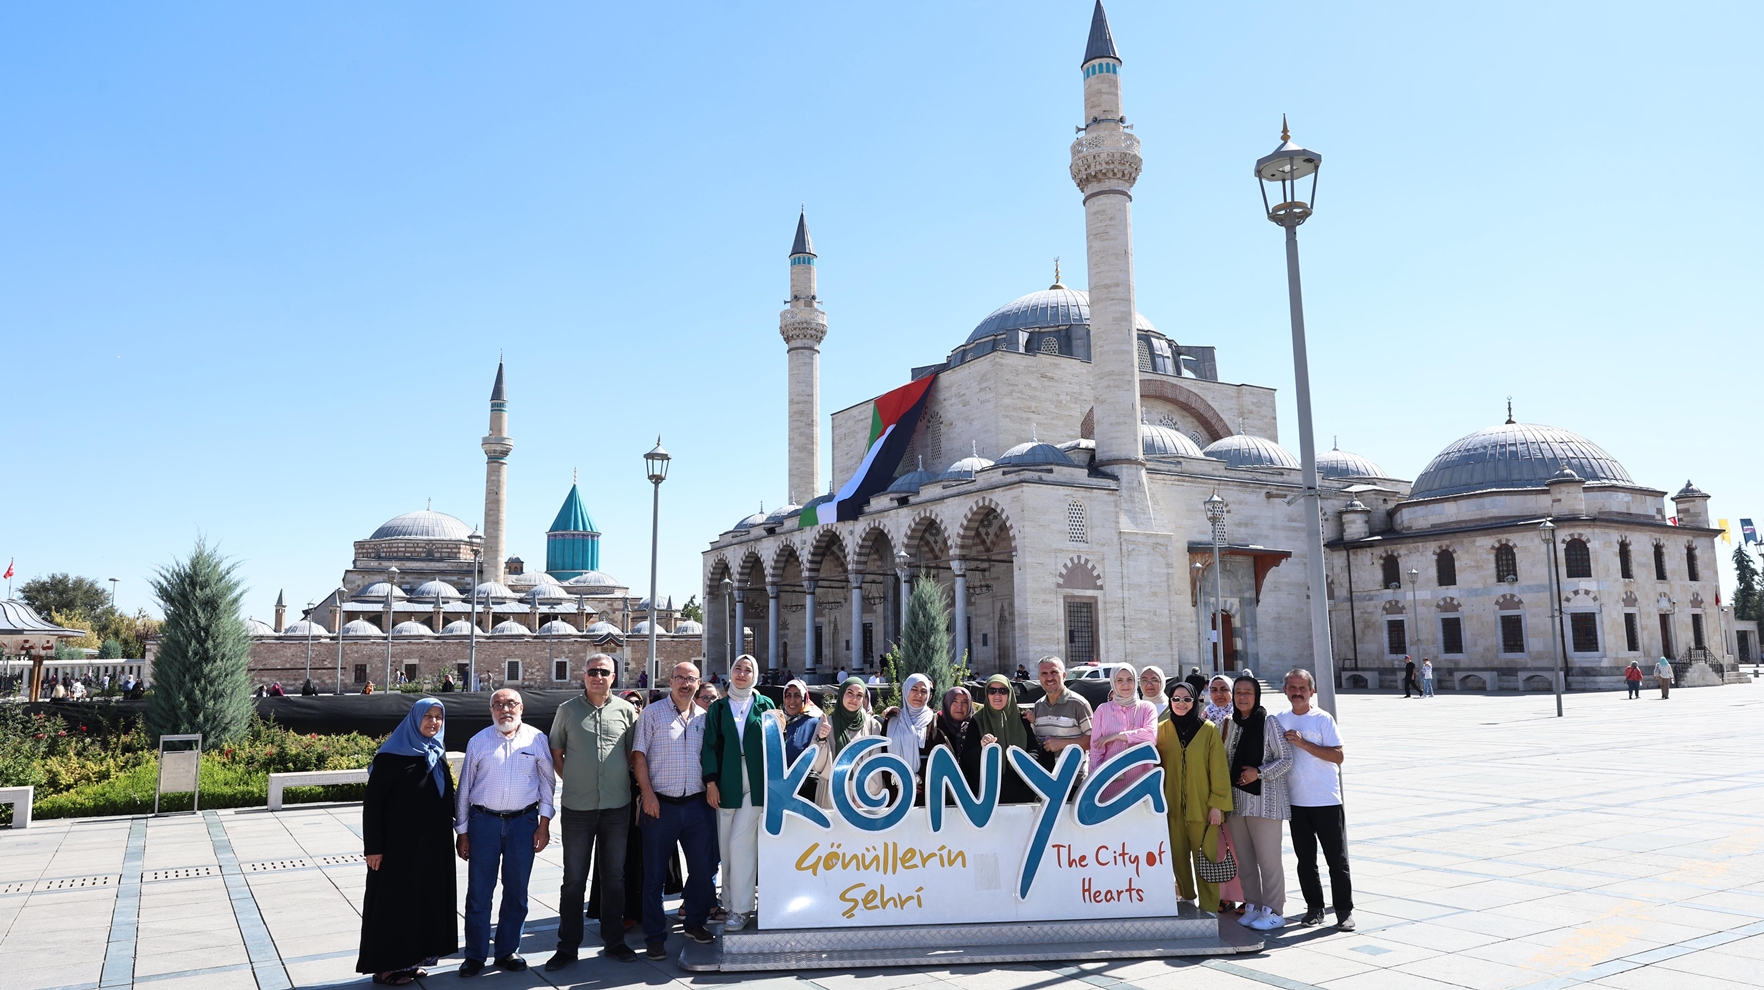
(975, 446)
(429, 504)
(1032, 437)
(1335, 442)
(1509, 410)
(1057, 283)
(1285, 135)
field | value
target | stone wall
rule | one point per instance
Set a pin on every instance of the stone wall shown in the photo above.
(285, 660)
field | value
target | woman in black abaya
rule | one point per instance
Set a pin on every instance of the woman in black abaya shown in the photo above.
(408, 913)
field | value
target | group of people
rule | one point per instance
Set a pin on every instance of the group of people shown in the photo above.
(684, 772)
(1632, 677)
(1417, 678)
(68, 687)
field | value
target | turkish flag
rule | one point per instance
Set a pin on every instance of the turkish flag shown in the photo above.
(8, 574)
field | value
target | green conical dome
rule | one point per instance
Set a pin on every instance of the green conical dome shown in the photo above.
(572, 518)
(572, 545)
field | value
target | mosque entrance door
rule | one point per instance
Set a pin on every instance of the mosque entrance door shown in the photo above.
(1227, 640)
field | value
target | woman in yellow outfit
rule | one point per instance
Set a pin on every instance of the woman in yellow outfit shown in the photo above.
(1197, 789)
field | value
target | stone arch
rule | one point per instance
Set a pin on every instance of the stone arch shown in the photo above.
(864, 549)
(1079, 574)
(926, 537)
(1449, 604)
(828, 544)
(1630, 600)
(1393, 607)
(751, 571)
(783, 556)
(1189, 401)
(1509, 603)
(968, 538)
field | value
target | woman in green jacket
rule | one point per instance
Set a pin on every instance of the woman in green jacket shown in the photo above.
(1197, 791)
(734, 784)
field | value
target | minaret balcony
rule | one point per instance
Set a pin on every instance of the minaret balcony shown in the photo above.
(1109, 155)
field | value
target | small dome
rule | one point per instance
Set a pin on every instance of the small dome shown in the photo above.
(642, 629)
(361, 627)
(782, 513)
(1055, 306)
(1034, 453)
(458, 627)
(557, 627)
(1690, 491)
(509, 627)
(593, 580)
(1339, 463)
(377, 592)
(1165, 441)
(750, 522)
(494, 591)
(412, 629)
(304, 628)
(256, 627)
(967, 467)
(912, 481)
(687, 627)
(438, 591)
(603, 628)
(549, 591)
(524, 581)
(423, 524)
(667, 603)
(1515, 455)
(1240, 450)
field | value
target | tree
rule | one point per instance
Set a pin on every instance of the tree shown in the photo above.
(110, 649)
(79, 622)
(1748, 599)
(692, 610)
(80, 597)
(924, 640)
(201, 677)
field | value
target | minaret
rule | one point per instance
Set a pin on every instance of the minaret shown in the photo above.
(281, 611)
(1105, 164)
(497, 447)
(803, 326)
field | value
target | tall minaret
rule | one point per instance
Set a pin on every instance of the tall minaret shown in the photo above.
(803, 326)
(1105, 164)
(497, 447)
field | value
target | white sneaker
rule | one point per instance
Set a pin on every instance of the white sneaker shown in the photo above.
(1251, 914)
(1269, 921)
(736, 922)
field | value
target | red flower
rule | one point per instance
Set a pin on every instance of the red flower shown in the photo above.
(38, 736)
(82, 728)
(62, 732)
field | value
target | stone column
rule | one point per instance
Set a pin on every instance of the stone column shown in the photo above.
(808, 628)
(771, 627)
(960, 568)
(857, 620)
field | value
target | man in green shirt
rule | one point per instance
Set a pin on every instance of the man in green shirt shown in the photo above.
(591, 748)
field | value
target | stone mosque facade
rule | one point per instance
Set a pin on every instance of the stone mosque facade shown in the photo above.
(426, 576)
(1055, 480)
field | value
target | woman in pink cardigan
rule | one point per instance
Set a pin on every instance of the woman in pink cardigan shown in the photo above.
(1122, 722)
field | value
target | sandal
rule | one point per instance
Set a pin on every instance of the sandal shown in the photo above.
(719, 914)
(399, 978)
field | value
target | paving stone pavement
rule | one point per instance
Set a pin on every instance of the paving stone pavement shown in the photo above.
(1493, 846)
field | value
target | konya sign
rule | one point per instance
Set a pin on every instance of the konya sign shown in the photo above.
(875, 860)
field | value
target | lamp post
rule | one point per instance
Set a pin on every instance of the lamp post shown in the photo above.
(477, 542)
(391, 586)
(656, 463)
(112, 592)
(309, 607)
(1415, 610)
(1200, 632)
(1216, 508)
(342, 593)
(1546, 531)
(729, 630)
(901, 571)
(1285, 168)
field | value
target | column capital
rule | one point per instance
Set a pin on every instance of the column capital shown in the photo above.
(809, 584)
(958, 566)
(772, 591)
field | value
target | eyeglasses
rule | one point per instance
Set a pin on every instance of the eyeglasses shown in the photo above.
(1181, 701)
(685, 678)
(506, 705)
(998, 690)
(598, 672)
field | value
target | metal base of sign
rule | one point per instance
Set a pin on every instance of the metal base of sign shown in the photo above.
(1190, 933)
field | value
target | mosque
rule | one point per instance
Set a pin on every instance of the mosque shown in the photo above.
(1094, 543)
(427, 577)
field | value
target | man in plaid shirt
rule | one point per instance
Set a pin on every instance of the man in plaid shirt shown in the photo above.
(666, 757)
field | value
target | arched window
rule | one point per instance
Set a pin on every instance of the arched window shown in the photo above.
(1577, 559)
(1050, 344)
(1506, 563)
(1446, 563)
(1625, 565)
(1659, 562)
(934, 440)
(1690, 563)
(1076, 531)
(1393, 571)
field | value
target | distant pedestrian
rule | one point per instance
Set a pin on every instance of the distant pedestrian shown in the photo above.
(1022, 672)
(407, 909)
(308, 689)
(1632, 677)
(447, 683)
(1314, 787)
(734, 784)
(1663, 673)
(503, 817)
(275, 690)
(1197, 680)
(1426, 677)
(1409, 680)
(1260, 761)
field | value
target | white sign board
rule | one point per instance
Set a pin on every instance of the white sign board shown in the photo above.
(877, 861)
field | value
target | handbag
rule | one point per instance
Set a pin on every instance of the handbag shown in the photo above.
(1221, 870)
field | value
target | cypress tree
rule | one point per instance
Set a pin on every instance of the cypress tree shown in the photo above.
(924, 640)
(200, 679)
(1748, 602)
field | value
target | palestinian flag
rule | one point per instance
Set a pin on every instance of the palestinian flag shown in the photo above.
(893, 418)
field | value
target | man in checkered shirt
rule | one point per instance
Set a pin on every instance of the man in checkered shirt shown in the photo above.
(666, 757)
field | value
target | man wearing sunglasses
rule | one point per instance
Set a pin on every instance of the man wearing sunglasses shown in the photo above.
(591, 748)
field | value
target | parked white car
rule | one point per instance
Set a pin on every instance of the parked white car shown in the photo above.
(1095, 671)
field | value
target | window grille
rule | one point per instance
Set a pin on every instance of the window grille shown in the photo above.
(361, 673)
(934, 440)
(560, 670)
(1393, 571)
(1577, 559)
(1631, 632)
(1050, 344)
(1162, 362)
(1659, 562)
(1512, 634)
(1451, 635)
(1396, 637)
(1447, 565)
(511, 670)
(1690, 564)
(1583, 631)
(1697, 631)
(1145, 360)
(1076, 530)
(1506, 563)
(1080, 631)
(1625, 565)
(410, 671)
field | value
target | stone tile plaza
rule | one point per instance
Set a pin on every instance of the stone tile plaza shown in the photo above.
(1494, 846)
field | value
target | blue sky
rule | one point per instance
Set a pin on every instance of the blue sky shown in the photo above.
(257, 261)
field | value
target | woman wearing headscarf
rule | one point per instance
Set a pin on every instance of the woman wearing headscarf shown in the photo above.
(999, 721)
(912, 730)
(800, 718)
(953, 717)
(1260, 760)
(735, 785)
(1120, 723)
(1217, 709)
(1197, 791)
(849, 719)
(1151, 688)
(408, 911)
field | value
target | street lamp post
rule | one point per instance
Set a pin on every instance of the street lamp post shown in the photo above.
(902, 571)
(341, 594)
(1285, 169)
(729, 630)
(1547, 532)
(1200, 632)
(309, 607)
(656, 463)
(391, 586)
(112, 592)
(1216, 508)
(477, 542)
(1414, 610)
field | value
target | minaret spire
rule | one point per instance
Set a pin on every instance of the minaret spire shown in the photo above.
(1102, 42)
(497, 446)
(803, 326)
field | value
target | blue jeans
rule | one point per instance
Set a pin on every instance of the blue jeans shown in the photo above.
(1426, 687)
(508, 843)
(694, 827)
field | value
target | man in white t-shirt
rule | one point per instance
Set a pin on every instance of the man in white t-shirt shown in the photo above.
(1315, 788)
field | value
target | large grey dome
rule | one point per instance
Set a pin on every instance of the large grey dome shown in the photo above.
(1240, 450)
(424, 524)
(1515, 455)
(1056, 306)
(912, 481)
(965, 468)
(1034, 453)
(1339, 463)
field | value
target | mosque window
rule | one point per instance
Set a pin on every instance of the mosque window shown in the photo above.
(560, 670)
(1583, 629)
(1076, 529)
(1659, 562)
(1631, 632)
(1145, 359)
(1697, 631)
(1446, 563)
(511, 670)
(1396, 637)
(934, 439)
(1451, 635)
(1393, 571)
(1506, 564)
(1050, 344)
(1576, 559)
(1512, 633)
(1625, 565)
(1690, 564)
(1162, 361)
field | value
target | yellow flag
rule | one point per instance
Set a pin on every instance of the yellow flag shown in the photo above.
(1726, 537)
